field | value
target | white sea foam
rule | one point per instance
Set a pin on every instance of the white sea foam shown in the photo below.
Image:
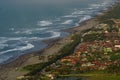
(55, 34)
(16, 46)
(29, 31)
(85, 18)
(78, 12)
(96, 5)
(67, 22)
(39, 29)
(70, 16)
(2, 46)
(104, 4)
(24, 32)
(28, 46)
(90, 8)
(3, 40)
(20, 48)
(44, 23)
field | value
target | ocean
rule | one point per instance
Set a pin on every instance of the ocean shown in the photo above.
(25, 23)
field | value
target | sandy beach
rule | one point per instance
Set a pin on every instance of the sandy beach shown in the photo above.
(12, 70)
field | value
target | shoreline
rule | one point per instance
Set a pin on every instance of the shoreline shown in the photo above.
(53, 47)
(32, 58)
(51, 42)
(48, 43)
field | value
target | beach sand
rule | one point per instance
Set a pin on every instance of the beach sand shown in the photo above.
(12, 70)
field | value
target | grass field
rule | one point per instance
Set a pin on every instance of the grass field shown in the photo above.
(95, 76)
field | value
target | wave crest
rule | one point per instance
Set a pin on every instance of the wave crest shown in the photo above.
(44, 23)
(20, 48)
(67, 22)
(85, 18)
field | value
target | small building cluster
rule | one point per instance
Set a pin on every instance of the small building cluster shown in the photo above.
(98, 53)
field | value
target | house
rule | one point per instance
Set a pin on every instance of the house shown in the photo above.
(65, 60)
(51, 76)
(70, 59)
(106, 31)
(117, 46)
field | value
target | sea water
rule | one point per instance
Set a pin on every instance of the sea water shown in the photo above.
(25, 23)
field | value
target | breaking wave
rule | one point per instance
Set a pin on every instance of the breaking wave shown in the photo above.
(30, 31)
(21, 48)
(44, 23)
(85, 18)
(67, 22)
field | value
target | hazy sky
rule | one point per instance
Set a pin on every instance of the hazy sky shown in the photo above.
(41, 2)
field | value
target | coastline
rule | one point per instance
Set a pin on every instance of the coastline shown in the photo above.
(53, 47)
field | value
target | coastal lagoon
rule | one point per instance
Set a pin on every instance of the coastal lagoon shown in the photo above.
(25, 23)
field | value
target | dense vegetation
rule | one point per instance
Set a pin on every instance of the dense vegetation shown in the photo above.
(93, 37)
(65, 51)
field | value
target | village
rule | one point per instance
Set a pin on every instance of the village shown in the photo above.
(99, 50)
